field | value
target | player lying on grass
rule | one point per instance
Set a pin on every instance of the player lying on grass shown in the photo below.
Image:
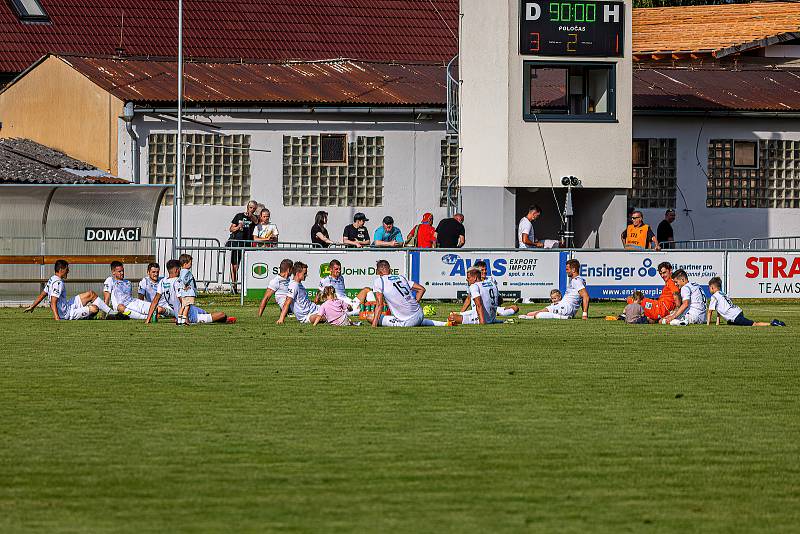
(670, 298)
(118, 294)
(305, 311)
(336, 281)
(333, 310)
(278, 286)
(693, 303)
(575, 298)
(728, 310)
(399, 294)
(149, 292)
(83, 306)
(483, 298)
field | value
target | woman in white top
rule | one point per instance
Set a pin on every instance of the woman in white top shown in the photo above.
(265, 232)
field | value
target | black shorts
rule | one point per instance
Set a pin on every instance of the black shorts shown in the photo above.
(741, 320)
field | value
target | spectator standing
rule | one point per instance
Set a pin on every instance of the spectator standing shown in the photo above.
(356, 234)
(319, 233)
(665, 233)
(265, 233)
(423, 235)
(241, 230)
(638, 235)
(388, 235)
(450, 232)
(525, 234)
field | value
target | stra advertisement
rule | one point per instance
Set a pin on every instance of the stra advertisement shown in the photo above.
(519, 274)
(358, 268)
(763, 274)
(615, 275)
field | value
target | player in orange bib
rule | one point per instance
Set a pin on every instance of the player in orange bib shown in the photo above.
(670, 296)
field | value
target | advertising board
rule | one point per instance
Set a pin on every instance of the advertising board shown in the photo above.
(764, 274)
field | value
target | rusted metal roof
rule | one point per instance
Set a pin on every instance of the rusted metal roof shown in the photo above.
(719, 30)
(715, 90)
(330, 82)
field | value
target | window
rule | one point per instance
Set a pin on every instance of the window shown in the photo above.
(569, 91)
(30, 11)
(655, 179)
(448, 196)
(772, 181)
(334, 149)
(744, 154)
(216, 167)
(309, 181)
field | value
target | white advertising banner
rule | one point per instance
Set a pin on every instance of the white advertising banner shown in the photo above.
(615, 275)
(764, 274)
(358, 268)
(519, 274)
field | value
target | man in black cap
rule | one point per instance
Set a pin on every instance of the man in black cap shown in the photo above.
(356, 234)
(388, 235)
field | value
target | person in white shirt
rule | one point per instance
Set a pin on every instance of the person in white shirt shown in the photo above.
(304, 310)
(501, 311)
(575, 297)
(118, 294)
(726, 309)
(82, 306)
(166, 300)
(693, 302)
(396, 291)
(336, 281)
(265, 233)
(278, 287)
(483, 299)
(148, 289)
(525, 234)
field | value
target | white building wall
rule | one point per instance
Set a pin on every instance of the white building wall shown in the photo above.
(709, 223)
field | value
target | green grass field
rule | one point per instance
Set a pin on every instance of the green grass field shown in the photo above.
(562, 426)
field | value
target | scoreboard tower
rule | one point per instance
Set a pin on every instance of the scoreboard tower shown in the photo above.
(545, 94)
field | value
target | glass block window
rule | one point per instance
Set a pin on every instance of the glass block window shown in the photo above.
(216, 167)
(655, 179)
(309, 181)
(450, 177)
(735, 181)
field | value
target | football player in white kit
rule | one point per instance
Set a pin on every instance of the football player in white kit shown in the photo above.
(484, 301)
(118, 292)
(166, 292)
(726, 309)
(148, 289)
(82, 306)
(304, 310)
(693, 303)
(398, 293)
(575, 297)
(336, 281)
(278, 286)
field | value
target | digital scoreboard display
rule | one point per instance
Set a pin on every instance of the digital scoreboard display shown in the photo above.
(593, 29)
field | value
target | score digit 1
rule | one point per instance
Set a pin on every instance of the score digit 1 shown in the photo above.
(534, 42)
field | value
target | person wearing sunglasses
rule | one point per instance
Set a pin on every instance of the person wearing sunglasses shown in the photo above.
(638, 235)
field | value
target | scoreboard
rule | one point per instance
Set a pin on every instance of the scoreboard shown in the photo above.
(579, 29)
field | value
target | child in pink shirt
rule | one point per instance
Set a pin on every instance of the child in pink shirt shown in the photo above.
(333, 311)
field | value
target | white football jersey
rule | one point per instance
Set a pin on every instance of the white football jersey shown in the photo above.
(398, 294)
(120, 291)
(486, 291)
(280, 286)
(724, 307)
(572, 300)
(55, 288)
(148, 288)
(167, 287)
(493, 280)
(692, 293)
(301, 304)
(335, 283)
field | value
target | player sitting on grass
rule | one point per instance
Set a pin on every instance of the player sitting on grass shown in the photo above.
(575, 298)
(693, 303)
(728, 310)
(167, 292)
(634, 312)
(304, 310)
(398, 293)
(82, 306)
(336, 281)
(502, 311)
(118, 292)
(333, 310)
(670, 296)
(187, 289)
(149, 291)
(555, 298)
(483, 298)
(278, 286)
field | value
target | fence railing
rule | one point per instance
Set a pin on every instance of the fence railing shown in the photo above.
(732, 243)
(773, 243)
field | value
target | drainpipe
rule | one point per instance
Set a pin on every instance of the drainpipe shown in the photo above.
(127, 116)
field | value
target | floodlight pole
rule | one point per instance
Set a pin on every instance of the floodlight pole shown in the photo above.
(177, 204)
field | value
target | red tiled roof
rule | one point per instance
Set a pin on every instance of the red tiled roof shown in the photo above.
(274, 30)
(330, 82)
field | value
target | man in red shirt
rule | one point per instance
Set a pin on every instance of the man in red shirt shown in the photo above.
(423, 235)
(670, 296)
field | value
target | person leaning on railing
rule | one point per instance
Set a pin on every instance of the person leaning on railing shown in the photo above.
(639, 236)
(319, 233)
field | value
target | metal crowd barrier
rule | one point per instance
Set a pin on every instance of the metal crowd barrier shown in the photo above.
(773, 243)
(704, 244)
